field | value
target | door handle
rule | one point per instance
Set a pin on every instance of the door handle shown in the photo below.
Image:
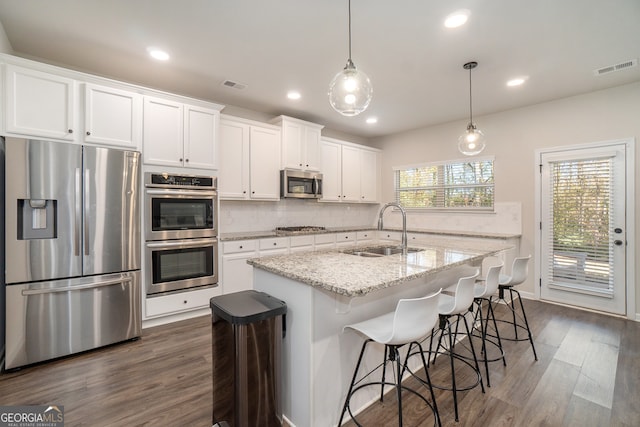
(617, 242)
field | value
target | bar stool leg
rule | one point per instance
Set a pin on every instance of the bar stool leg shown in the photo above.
(353, 381)
(526, 323)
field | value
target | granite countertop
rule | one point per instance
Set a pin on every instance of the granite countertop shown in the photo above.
(272, 233)
(345, 274)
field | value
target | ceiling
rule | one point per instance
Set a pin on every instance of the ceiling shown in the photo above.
(413, 61)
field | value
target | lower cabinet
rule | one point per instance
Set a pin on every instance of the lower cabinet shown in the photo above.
(237, 275)
(180, 302)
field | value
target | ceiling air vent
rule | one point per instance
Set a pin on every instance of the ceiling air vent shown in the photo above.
(235, 85)
(617, 67)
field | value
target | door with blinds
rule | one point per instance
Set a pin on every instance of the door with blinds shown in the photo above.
(583, 230)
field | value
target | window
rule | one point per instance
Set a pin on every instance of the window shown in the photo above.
(455, 185)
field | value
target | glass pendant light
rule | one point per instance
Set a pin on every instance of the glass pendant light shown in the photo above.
(350, 91)
(472, 141)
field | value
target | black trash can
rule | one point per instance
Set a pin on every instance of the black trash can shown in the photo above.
(247, 331)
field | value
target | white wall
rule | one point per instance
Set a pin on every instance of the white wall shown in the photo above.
(5, 46)
(513, 136)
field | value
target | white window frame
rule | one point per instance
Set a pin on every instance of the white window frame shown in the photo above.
(441, 186)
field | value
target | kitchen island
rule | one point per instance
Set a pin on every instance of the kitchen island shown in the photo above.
(327, 290)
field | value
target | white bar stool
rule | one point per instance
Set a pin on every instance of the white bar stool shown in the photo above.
(456, 306)
(412, 321)
(484, 290)
(519, 272)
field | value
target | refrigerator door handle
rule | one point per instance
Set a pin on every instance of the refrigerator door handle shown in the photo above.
(27, 292)
(86, 211)
(78, 215)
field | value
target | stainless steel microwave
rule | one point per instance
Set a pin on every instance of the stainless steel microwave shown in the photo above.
(300, 184)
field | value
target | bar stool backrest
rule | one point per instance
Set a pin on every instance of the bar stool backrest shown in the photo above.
(464, 295)
(414, 319)
(492, 280)
(519, 272)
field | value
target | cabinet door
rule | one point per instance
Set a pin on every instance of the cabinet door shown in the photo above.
(237, 275)
(368, 176)
(112, 116)
(163, 132)
(292, 134)
(331, 171)
(200, 137)
(40, 104)
(264, 174)
(233, 174)
(311, 149)
(351, 174)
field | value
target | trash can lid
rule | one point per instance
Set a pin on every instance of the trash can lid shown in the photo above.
(241, 308)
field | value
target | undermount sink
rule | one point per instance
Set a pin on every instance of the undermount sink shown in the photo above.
(380, 251)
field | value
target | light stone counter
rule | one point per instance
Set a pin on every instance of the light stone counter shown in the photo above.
(324, 291)
(340, 272)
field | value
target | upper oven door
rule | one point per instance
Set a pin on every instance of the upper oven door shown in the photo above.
(180, 214)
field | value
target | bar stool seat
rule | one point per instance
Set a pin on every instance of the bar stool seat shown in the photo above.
(411, 321)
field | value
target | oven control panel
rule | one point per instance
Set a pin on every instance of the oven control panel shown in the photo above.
(165, 180)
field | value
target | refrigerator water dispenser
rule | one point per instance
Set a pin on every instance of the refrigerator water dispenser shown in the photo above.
(37, 219)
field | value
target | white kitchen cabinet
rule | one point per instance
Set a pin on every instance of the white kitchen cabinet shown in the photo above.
(301, 243)
(350, 172)
(365, 236)
(249, 160)
(40, 104)
(331, 171)
(346, 239)
(390, 235)
(324, 241)
(237, 275)
(300, 143)
(179, 135)
(112, 116)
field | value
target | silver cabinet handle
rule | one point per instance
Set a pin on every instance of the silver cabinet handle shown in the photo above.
(27, 292)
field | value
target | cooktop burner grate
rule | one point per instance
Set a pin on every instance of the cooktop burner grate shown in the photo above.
(299, 229)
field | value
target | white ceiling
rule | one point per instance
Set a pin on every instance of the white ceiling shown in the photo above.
(415, 64)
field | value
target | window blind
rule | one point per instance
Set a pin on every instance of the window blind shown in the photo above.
(453, 185)
(581, 212)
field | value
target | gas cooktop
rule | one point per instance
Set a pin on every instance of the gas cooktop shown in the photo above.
(300, 229)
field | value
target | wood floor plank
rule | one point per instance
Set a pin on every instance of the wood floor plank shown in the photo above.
(597, 377)
(583, 413)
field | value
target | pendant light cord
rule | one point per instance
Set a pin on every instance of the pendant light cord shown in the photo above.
(350, 31)
(470, 99)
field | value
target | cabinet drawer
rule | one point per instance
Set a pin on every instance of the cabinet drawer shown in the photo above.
(346, 237)
(321, 239)
(274, 242)
(239, 246)
(364, 235)
(185, 301)
(301, 241)
(390, 235)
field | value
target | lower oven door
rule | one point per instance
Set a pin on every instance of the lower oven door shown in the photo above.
(180, 265)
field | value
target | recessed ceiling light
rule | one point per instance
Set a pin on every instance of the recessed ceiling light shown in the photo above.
(457, 18)
(158, 54)
(293, 94)
(516, 81)
(372, 120)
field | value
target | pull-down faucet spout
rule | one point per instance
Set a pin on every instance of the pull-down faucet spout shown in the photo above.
(404, 223)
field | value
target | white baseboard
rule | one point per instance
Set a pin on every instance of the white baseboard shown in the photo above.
(163, 320)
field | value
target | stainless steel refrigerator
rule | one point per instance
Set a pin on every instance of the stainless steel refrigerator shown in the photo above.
(72, 246)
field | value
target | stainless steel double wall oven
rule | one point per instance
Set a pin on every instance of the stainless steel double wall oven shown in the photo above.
(181, 248)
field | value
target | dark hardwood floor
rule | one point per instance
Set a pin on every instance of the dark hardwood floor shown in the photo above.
(588, 374)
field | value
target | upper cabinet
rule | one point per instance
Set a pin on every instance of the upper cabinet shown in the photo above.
(112, 116)
(40, 104)
(180, 135)
(350, 172)
(300, 143)
(249, 160)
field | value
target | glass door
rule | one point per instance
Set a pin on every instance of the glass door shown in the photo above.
(583, 228)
